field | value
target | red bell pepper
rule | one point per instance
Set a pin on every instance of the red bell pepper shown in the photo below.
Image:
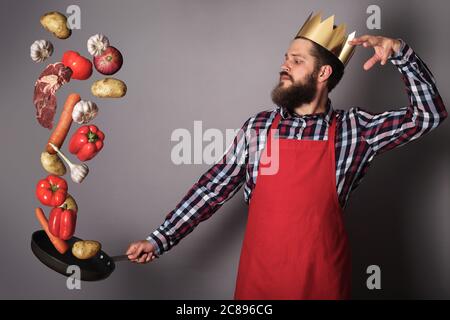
(61, 223)
(86, 142)
(51, 191)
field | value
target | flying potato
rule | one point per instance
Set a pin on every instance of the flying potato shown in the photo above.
(109, 88)
(56, 23)
(53, 164)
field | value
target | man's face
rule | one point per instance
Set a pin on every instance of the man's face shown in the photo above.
(298, 77)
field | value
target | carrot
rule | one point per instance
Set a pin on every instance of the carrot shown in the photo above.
(65, 121)
(59, 244)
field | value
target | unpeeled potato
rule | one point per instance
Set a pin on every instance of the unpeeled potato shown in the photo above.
(109, 88)
(86, 249)
(56, 23)
(70, 204)
(53, 164)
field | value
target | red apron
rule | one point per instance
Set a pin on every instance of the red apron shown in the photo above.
(295, 244)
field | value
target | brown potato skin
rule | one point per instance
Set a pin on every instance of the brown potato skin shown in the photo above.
(109, 88)
(86, 249)
(53, 164)
(70, 204)
(56, 23)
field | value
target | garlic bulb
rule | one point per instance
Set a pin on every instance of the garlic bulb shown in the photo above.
(84, 111)
(40, 50)
(77, 171)
(97, 44)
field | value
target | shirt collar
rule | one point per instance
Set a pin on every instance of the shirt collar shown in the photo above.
(285, 114)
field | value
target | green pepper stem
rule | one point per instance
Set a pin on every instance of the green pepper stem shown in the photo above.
(92, 137)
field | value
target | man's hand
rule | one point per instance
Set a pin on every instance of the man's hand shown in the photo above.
(141, 251)
(384, 48)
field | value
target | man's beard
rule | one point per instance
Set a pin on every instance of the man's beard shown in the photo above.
(297, 94)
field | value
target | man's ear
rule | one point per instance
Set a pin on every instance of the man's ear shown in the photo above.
(325, 72)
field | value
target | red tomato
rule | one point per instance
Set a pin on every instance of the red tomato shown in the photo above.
(81, 67)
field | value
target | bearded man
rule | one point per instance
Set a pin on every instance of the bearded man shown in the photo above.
(295, 244)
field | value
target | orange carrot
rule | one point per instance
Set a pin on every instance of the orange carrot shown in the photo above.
(59, 244)
(65, 121)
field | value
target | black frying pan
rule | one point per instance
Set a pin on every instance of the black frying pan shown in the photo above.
(96, 268)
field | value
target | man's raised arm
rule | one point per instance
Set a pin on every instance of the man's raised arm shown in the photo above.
(426, 111)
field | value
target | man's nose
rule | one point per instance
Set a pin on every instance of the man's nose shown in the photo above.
(285, 67)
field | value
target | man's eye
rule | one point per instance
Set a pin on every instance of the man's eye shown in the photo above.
(298, 61)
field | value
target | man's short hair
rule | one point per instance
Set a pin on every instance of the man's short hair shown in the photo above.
(325, 57)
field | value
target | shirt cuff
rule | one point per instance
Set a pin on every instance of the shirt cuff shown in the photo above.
(158, 241)
(403, 55)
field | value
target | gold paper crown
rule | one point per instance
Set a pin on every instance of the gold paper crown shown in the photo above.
(327, 35)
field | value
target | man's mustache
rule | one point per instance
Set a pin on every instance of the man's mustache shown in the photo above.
(284, 73)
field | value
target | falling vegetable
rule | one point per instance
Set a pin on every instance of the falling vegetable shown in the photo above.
(86, 142)
(53, 164)
(51, 191)
(109, 88)
(40, 50)
(65, 121)
(62, 222)
(59, 244)
(70, 204)
(84, 112)
(80, 66)
(77, 172)
(97, 44)
(56, 23)
(109, 62)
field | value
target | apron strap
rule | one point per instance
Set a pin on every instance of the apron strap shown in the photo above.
(272, 129)
(332, 130)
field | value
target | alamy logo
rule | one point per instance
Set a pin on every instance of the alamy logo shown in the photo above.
(73, 282)
(74, 17)
(208, 147)
(374, 280)
(374, 20)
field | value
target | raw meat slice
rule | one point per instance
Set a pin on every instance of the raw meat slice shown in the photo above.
(51, 79)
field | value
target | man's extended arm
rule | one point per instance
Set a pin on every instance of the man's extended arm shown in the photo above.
(206, 196)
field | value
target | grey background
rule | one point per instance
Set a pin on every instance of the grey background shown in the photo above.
(214, 61)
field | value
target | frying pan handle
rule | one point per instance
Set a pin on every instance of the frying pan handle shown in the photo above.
(120, 258)
(123, 257)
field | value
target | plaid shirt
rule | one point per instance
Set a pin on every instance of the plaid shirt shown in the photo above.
(360, 136)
